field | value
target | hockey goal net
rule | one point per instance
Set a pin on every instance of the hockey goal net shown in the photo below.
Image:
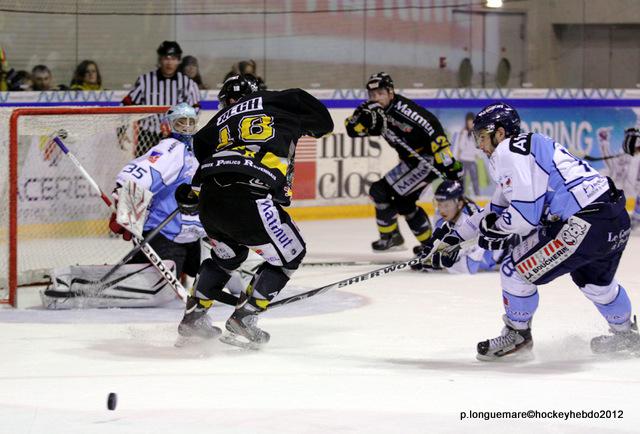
(50, 216)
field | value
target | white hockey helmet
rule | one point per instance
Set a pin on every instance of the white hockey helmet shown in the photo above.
(182, 119)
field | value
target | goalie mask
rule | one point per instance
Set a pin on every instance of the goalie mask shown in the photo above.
(236, 87)
(182, 119)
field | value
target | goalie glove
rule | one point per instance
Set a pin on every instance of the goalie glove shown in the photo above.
(187, 199)
(114, 226)
(369, 119)
(492, 238)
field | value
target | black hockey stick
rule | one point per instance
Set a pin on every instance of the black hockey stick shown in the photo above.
(372, 274)
(139, 245)
(607, 157)
(344, 263)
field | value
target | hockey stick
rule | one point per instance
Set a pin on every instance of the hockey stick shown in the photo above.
(344, 263)
(139, 245)
(153, 257)
(372, 274)
(607, 157)
(426, 162)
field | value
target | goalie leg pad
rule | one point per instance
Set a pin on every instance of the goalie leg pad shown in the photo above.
(133, 285)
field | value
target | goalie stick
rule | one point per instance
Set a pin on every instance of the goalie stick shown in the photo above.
(153, 257)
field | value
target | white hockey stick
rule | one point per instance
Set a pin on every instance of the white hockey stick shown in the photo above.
(153, 257)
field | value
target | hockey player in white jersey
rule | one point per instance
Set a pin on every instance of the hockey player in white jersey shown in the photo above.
(455, 210)
(574, 220)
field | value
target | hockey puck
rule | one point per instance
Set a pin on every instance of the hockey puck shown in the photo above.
(112, 401)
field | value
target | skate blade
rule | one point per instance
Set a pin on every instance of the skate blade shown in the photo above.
(522, 354)
(234, 339)
(187, 341)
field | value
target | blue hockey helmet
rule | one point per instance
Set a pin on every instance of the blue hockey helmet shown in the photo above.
(497, 115)
(449, 190)
(182, 119)
(235, 87)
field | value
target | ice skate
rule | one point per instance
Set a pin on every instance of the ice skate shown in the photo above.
(196, 325)
(389, 242)
(618, 341)
(511, 340)
(242, 330)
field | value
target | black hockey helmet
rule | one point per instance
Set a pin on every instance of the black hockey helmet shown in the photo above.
(170, 48)
(235, 87)
(448, 190)
(497, 115)
(381, 80)
(630, 142)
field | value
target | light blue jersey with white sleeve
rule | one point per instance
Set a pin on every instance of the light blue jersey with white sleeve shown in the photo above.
(161, 170)
(538, 180)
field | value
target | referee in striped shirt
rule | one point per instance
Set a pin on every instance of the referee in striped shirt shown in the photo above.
(164, 86)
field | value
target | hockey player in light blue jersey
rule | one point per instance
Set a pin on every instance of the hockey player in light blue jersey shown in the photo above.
(161, 170)
(574, 220)
(455, 211)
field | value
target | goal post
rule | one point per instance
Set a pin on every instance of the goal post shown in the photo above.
(49, 217)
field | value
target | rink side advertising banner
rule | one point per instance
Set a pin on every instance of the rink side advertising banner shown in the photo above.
(336, 169)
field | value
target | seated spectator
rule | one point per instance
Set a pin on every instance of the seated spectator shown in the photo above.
(246, 67)
(43, 79)
(21, 80)
(190, 68)
(86, 76)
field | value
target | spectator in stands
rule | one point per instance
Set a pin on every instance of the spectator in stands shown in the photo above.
(163, 86)
(465, 150)
(246, 67)
(20, 80)
(43, 79)
(189, 67)
(87, 76)
(5, 71)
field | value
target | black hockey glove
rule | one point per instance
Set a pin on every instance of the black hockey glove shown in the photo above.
(438, 235)
(187, 199)
(369, 119)
(492, 238)
(630, 143)
(446, 257)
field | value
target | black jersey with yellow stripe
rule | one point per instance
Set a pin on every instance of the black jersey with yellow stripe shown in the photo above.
(257, 136)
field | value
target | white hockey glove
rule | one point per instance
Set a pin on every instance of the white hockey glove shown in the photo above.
(131, 202)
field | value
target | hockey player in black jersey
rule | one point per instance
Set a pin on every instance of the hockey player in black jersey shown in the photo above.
(246, 154)
(411, 131)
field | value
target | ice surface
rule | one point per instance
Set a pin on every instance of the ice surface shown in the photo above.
(390, 355)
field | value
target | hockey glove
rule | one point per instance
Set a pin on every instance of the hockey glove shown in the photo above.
(187, 199)
(114, 226)
(369, 119)
(492, 238)
(117, 229)
(630, 143)
(438, 235)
